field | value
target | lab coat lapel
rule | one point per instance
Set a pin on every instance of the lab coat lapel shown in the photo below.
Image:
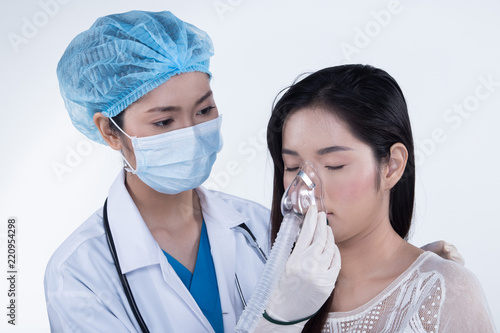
(223, 250)
(219, 219)
(171, 277)
(135, 246)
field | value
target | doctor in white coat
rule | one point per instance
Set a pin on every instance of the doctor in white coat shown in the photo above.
(163, 254)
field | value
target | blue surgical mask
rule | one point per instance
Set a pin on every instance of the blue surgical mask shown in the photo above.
(179, 160)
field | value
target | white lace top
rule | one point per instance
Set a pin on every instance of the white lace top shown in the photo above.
(432, 295)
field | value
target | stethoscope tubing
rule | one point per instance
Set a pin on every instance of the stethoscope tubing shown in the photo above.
(123, 278)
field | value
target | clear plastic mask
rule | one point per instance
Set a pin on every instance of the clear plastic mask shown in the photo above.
(304, 191)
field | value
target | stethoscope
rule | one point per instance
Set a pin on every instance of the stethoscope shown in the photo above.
(243, 228)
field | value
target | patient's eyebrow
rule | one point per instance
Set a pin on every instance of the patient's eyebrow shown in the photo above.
(322, 151)
(332, 149)
(289, 152)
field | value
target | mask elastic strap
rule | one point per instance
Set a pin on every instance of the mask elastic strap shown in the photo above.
(119, 128)
(129, 169)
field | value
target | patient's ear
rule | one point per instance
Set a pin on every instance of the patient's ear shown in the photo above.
(395, 167)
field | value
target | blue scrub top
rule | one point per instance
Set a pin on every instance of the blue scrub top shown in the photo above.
(202, 283)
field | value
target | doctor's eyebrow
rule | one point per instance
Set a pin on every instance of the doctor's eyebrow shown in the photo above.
(204, 97)
(178, 108)
(165, 109)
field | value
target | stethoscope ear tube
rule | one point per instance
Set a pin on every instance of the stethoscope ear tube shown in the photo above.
(123, 278)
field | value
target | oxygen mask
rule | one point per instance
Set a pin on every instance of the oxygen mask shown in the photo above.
(304, 191)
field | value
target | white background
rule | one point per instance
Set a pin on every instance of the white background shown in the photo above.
(438, 52)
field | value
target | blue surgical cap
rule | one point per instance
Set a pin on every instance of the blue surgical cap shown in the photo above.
(121, 58)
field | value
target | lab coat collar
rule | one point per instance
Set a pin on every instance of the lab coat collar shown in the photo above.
(135, 246)
(216, 209)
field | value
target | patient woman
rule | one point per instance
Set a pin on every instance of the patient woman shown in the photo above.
(352, 123)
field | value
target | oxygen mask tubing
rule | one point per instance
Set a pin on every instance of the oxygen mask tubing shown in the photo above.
(304, 191)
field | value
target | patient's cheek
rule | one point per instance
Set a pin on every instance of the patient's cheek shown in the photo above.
(357, 185)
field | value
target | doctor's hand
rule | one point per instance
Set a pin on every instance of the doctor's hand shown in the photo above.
(309, 277)
(445, 250)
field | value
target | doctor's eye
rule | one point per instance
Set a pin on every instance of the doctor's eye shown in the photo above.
(206, 111)
(164, 123)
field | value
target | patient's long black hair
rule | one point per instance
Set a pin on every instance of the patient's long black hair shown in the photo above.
(372, 105)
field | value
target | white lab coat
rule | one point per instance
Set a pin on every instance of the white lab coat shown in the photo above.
(83, 290)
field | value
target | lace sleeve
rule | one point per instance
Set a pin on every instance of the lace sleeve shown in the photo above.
(464, 307)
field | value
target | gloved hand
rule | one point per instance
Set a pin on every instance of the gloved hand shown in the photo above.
(309, 277)
(445, 250)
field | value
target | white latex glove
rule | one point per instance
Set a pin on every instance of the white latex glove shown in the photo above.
(309, 277)
(445, 250)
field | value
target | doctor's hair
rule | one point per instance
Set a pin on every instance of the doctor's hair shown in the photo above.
(370, 102)
(118, 119)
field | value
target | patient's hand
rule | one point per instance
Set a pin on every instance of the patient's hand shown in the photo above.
(445, 250)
